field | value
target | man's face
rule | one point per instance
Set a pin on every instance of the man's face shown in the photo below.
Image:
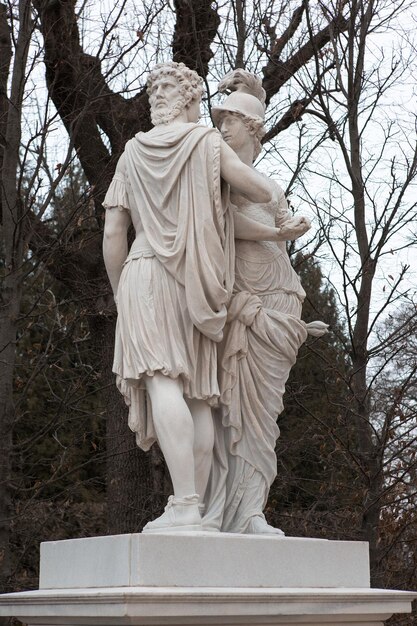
(165, 93)
(234, 131)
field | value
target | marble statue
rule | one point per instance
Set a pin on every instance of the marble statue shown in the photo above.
(263, 334)
(173, 285)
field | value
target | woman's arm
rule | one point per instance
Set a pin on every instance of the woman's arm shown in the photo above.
(243, 180)
(246, 228)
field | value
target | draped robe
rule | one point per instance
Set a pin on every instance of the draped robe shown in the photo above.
(178, 276)
(262, 338)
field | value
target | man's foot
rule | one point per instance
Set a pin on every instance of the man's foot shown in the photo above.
(259, 526)
(181, 515)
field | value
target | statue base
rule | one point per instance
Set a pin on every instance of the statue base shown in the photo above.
(204, 578)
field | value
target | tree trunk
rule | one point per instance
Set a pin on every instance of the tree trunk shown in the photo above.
(368, 450)
(7, 350)
(5, 60)
(13, 247)
(7, 332)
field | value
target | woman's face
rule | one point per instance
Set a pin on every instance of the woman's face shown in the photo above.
(234, 131)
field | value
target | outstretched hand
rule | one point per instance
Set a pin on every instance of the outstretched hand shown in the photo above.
(293, 228)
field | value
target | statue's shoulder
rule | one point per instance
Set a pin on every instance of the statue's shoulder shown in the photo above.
(207, 136)
(208, 130)
(169, 137)
(131, 142)
(133, 147)
(200, 130)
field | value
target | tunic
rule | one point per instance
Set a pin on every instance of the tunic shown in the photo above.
(178, 275)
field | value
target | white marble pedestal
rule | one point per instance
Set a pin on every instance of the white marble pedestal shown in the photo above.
(204, 579)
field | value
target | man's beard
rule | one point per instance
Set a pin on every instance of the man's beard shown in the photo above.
(167, 114)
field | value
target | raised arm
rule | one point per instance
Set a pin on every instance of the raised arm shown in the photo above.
(244, 180)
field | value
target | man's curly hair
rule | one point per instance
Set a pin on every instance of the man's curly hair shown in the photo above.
(192, 85)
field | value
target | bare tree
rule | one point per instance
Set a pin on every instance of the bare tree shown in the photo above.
(13, 243)
(367, 218)
(25, 203)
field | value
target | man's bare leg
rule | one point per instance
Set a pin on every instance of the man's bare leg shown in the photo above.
(174, 429)
(203, 443)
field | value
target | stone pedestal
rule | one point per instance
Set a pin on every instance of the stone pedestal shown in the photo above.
(203, 578)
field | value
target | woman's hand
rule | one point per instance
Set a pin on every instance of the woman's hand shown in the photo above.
(293, 229)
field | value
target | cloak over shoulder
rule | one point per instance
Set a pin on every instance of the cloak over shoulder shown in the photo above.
(174, 178)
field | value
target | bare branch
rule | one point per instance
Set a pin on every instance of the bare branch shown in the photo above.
(277, 72)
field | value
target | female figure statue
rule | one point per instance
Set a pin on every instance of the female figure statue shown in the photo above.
(264, 330)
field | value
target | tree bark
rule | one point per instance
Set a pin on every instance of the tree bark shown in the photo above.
(5, 60)
(8, 315)
(13, 247)
(82, 97)
(368, 450)
(195, 28)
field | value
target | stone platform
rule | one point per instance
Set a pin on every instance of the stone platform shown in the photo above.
(204, 579)
(203, 560)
